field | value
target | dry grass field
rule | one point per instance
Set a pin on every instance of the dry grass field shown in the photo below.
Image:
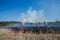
(6, 34)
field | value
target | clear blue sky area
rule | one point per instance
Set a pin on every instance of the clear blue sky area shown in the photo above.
(10, 10)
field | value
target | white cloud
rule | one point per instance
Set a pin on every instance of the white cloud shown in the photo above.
(32, 16)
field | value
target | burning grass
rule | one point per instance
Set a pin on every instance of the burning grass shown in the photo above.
(5, 34)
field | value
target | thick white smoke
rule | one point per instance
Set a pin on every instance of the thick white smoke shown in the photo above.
(32, 16)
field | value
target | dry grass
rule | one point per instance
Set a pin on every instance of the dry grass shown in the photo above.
(5, 34)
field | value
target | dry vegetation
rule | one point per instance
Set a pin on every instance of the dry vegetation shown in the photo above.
(7, 34)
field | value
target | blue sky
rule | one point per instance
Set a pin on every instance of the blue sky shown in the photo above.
(12, 10)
